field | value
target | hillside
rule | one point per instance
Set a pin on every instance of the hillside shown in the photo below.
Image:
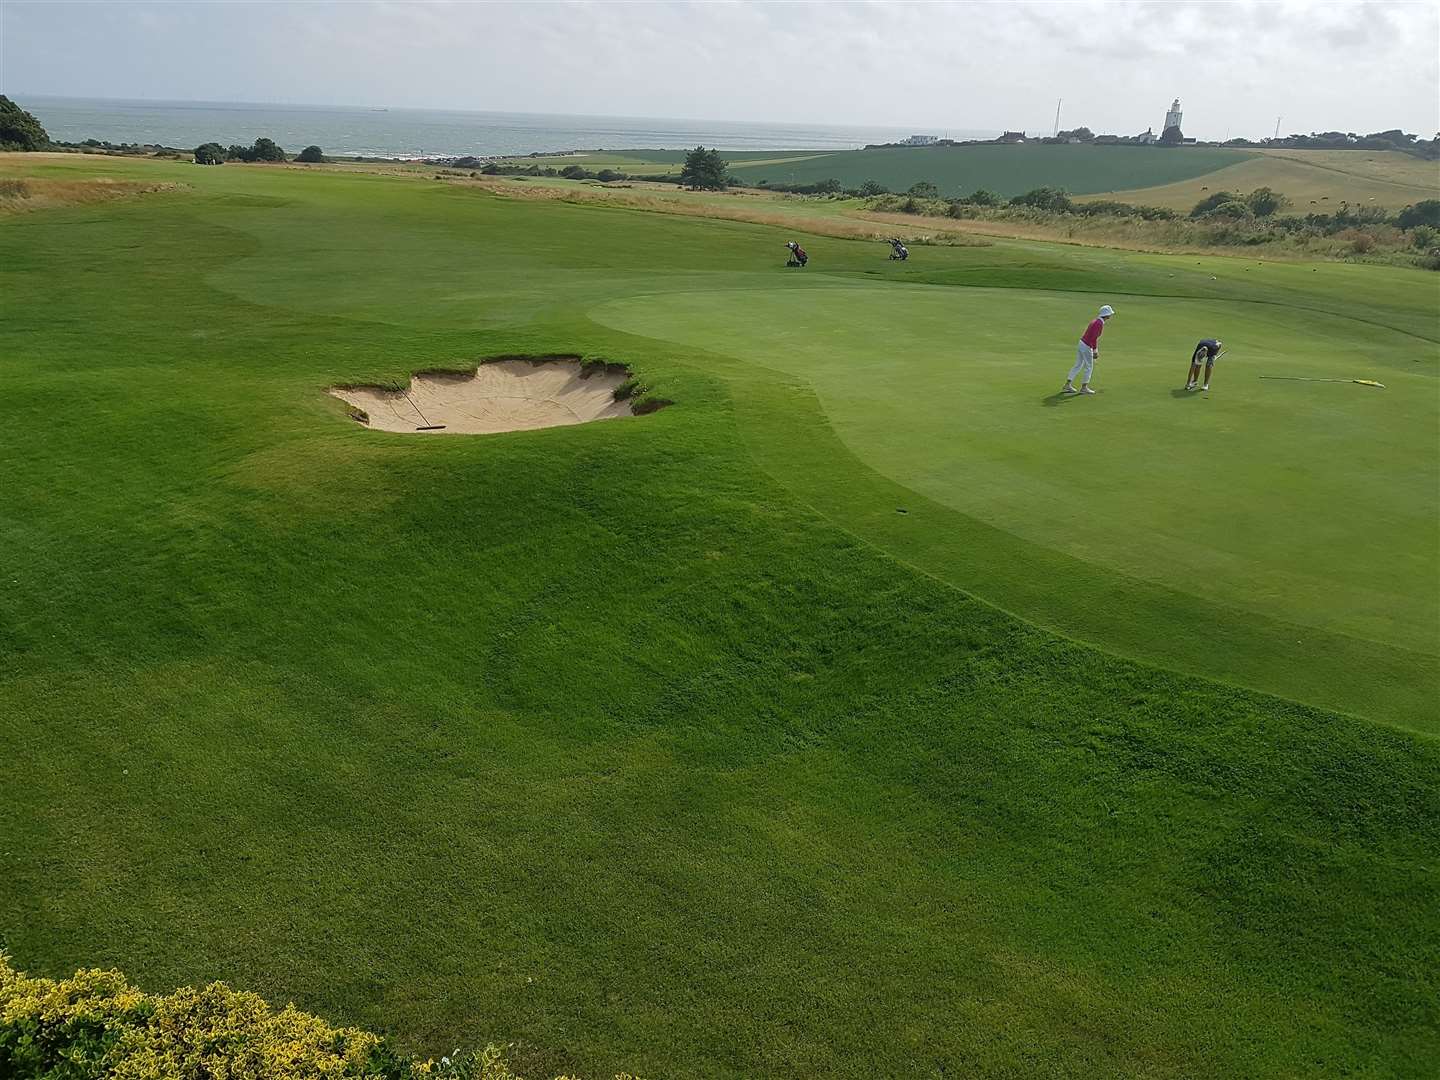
(1312, 179)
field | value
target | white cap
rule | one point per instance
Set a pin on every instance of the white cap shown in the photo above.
(1106, 311)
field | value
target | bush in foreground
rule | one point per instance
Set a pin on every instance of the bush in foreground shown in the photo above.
(311, 155)
(96, 1024)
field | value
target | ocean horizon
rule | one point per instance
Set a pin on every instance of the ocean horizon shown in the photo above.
(418, 133)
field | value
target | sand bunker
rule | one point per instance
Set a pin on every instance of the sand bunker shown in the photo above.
(506, 395)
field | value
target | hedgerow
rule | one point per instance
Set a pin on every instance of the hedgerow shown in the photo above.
(97, 1024)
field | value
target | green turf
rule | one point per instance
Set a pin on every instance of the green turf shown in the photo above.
(1227, 498)
(1006, 170)
(661, 744)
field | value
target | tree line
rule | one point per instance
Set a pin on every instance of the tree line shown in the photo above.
(262, 149)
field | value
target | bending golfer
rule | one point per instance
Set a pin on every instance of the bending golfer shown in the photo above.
(1207, 352)
(1087, 354)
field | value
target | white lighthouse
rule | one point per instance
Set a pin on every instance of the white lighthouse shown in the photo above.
(1172, 118)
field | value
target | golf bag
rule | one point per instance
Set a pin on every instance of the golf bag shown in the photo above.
(798, 258)
(899, 250)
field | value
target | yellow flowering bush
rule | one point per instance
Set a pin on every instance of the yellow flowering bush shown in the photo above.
(97, 1025)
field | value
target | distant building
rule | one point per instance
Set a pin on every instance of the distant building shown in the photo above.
(1146, 137)
(1172, 118)
(921, 140)
(1012, 137)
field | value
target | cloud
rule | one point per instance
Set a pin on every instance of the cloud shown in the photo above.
(937, 66)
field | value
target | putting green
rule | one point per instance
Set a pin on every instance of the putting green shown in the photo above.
(1312, 504)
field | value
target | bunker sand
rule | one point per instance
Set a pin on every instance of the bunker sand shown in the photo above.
(506, 395)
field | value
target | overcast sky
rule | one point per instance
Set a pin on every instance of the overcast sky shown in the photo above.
(1236, 67)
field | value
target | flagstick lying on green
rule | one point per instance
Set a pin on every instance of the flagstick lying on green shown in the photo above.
(1301, 378)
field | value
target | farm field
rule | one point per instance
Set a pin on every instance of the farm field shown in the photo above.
(1005, 170)
(1315, 181)
(670, 744)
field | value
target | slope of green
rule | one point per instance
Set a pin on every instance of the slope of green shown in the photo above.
(604, 739)
(1006, 170)
(1226, 499)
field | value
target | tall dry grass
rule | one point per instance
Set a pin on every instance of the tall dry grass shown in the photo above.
(758, 208)
(19, 195)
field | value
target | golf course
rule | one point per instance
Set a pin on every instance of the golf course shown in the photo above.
(869, 709)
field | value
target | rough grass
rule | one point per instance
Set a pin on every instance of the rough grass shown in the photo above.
(43, 193)
(755, 207)
(603, 739)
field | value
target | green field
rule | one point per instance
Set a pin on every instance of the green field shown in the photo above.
(1005, 170)
(668, 744)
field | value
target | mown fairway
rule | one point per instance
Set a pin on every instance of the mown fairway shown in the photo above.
(666, 744)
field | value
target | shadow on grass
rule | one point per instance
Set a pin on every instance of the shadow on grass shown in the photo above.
(1183, 393)
(1058, 398)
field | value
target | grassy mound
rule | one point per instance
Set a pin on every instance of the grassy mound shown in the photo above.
(669, 745)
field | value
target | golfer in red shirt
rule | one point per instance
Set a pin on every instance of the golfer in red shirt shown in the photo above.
(1087, 354)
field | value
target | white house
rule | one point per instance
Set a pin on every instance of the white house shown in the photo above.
(921, 140)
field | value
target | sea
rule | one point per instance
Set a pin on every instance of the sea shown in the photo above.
(420, 133)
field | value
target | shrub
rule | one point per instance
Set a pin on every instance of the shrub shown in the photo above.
(1361, 243)
(1210, 202)
(1045, 198)
(19, 130)
(1425, 237)
(210, 153)
(923, 189)
(982, 197)
(263, 149)
(1425, 212)
(870, 188)
(1264, 201)
(1106, 208)
(1233, 210)
(97, 1025)
(606, 176)
(14, 189)
(313, 155)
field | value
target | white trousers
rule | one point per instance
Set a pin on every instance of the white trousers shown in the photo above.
(1084, 364)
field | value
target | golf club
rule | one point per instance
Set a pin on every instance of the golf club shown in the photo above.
(1303, 378)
